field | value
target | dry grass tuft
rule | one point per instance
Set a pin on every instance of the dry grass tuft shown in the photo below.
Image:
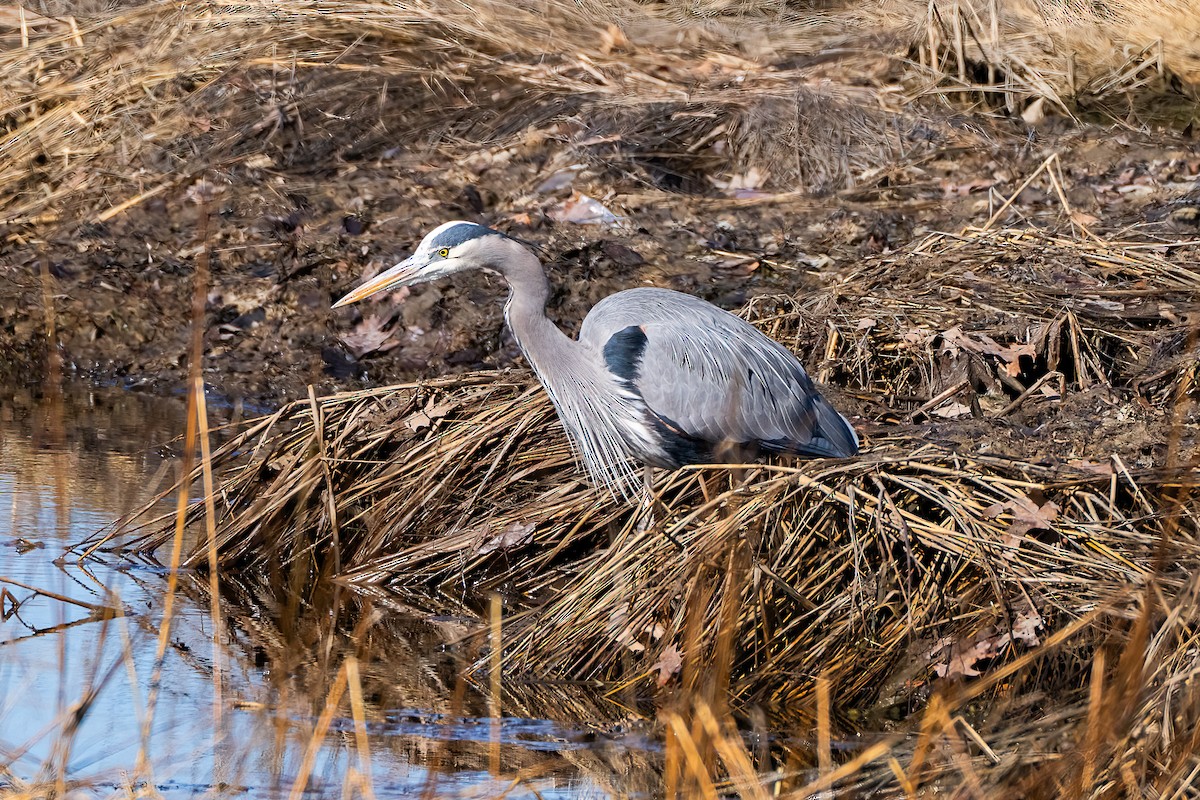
(1130, 60)
(1006, 519)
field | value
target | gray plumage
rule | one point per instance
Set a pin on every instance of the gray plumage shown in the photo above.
(656, 376)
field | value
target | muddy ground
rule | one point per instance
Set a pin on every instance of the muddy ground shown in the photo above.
(288, 239)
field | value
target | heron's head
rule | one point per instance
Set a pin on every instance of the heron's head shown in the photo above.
(447, 249)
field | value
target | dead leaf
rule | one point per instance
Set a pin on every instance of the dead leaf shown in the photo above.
(426, 416)
(918, 336)
(1027, 516)
(439, 410)
(418, 421)
(1167, 312)
(372, 335)
(954, 339)
(961, 663)
(668, 664)
(952, 411)
(1009, 354)
(1025, 628)
(865, 324)
(514, 535)
(962, 657)
(583, 210)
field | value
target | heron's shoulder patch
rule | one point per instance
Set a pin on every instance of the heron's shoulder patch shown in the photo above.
(623, 353)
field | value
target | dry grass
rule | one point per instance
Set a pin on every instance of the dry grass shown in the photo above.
(1130, 60)
(1007, 380)
(1022, 515)
(672, 92)
(321, 82)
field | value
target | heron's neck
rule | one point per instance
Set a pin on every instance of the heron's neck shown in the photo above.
(540, 339)
(603, 420)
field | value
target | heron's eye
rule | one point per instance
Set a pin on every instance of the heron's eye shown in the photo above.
(444, 252)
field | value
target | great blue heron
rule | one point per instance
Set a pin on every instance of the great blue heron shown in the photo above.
(656, 376)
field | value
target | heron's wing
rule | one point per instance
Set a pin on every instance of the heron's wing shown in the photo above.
(711, 377)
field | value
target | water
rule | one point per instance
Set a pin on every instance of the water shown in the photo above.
(77, 656)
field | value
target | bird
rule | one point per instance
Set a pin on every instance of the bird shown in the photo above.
(656, 376)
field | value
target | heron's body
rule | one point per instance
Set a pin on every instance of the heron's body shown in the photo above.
(656, 376)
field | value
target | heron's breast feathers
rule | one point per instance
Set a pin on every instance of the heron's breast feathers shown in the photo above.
(606, 420)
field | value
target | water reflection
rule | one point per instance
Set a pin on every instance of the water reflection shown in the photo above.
(78, 644)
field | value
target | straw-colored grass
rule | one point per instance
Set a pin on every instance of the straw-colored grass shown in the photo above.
(1060, 56)
(986, 515)
(1028, 400)
(102, 112)
(163, 92)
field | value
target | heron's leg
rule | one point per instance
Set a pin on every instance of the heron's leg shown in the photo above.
(646, 505)
(649, 506)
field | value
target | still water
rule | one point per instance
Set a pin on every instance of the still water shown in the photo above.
(78, 643)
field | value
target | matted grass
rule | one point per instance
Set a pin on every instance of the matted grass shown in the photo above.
(810, 99)
(1016, 490)
(1124, 60)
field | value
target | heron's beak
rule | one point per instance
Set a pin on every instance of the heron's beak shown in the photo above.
(403, 274)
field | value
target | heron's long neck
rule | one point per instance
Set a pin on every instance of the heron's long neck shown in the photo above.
(541, 340)
(602, 420)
